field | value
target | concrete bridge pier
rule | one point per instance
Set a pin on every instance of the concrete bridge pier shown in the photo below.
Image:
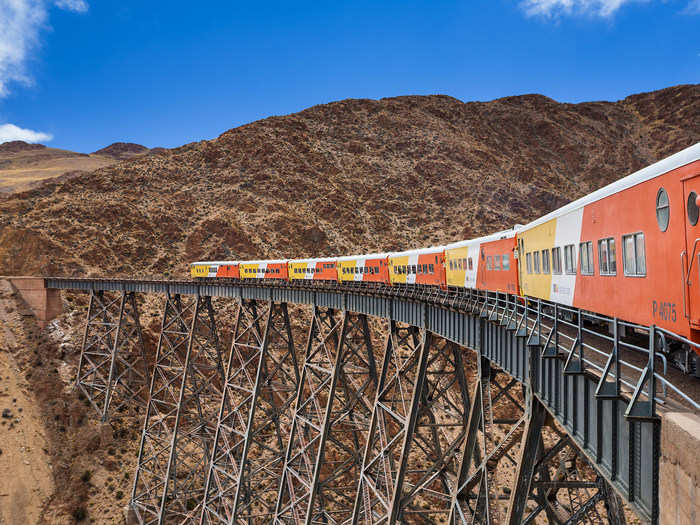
(679, 469)
(45, 303)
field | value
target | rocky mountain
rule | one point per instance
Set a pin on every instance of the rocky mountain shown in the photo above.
(350, 176)
(17, 146)
(122, 150)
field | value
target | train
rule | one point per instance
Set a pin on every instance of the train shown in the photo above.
(630, 250)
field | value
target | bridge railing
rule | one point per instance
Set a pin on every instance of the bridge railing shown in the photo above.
(594, 343)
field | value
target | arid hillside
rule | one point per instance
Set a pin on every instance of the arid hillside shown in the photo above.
(24, 166)
(354, 175)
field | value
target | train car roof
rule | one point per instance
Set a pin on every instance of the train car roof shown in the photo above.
(364, 256)
(269, 261)
(216, 262)
(676, 160)
(418, 251)
(317, 259)
(504, 234)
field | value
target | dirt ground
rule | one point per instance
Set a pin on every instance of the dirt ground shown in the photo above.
(26, 479)
(58, 464)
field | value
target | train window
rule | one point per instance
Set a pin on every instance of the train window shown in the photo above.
(606, 257)
(556, 260)
(489, 262)
(634, 254)
(536, 262)
(693, 211)
(586, 255)
(376, 269)
(497, 262)
(529, 262)
(420, 268)
(452, 265)
(662, 209)
(403, 269)
(545, 262)
(277, 270)
(570, 259)
(506, 261)
(414, 269)
(471, 263)
(431, 267)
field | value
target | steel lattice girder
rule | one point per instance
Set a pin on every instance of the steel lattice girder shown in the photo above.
(412, 453)
(496, 420)
(112, 368)
(180, 419)
(558, 479)
(347, 422)
(254, 417)
(314, 397)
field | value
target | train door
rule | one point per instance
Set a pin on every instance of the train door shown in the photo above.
(691, 260)
(520, 262)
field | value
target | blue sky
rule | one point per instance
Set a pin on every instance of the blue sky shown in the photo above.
(81, 74)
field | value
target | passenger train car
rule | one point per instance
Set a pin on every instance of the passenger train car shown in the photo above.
(629, 250)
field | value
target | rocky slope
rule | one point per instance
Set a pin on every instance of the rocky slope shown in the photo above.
(354, 175)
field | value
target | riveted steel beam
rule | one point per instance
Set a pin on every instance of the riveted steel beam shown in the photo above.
(309, 429)
(412, 452)
(112, 368)
(254, 417)
(345, 427)
(180, 421)
(494, 428)
(556, 481)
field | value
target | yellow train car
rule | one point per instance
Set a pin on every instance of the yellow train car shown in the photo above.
(273, 269)
(200, 270)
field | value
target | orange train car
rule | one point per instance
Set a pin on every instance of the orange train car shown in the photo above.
(630, 250)
(263, 270)
(498, 267)
(323, 269)
(368, 268)
(424, 266)
(229, 270)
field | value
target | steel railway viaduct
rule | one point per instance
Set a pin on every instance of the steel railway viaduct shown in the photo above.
(476, 408)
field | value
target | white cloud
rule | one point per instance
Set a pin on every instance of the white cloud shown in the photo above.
(9, 132)
(73, 5)
(21, 22)
(601, 8)
(693, 8)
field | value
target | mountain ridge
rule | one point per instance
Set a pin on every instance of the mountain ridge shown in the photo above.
(352, 175)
